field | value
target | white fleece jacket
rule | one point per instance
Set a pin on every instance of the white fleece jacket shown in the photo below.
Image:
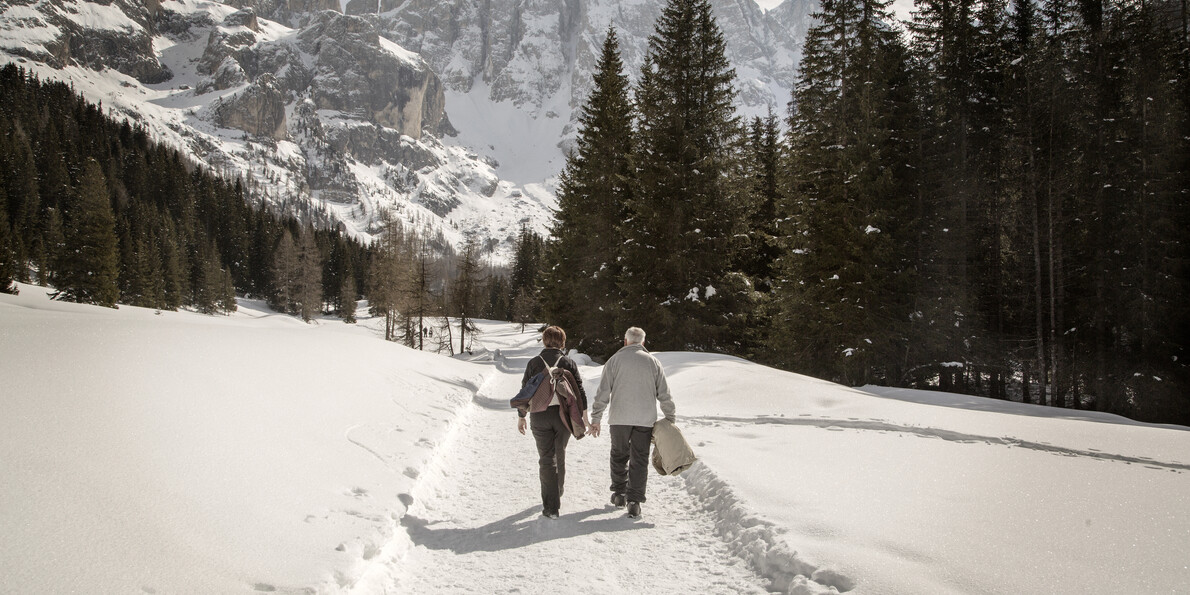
(632, 385)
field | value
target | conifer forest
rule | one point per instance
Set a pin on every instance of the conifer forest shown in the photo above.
(992, 199)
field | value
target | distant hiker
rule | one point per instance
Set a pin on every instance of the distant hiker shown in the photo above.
(550, 430)
(633, 383)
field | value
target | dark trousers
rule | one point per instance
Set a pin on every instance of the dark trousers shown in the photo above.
(551, 436)
(630, 460)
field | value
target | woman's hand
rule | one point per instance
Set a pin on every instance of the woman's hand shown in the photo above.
(521, 424)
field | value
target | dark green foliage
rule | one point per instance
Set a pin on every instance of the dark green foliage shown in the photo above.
(1054, 178)
(21, 197)
(7, 262)
(579, 287)
(758, 259)
(88, 265)
(465, 294)
(996, 207)
(690, 205)
(525, 280)
(349, 299)
(843, 304)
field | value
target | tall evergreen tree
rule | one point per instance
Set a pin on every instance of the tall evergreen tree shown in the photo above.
(464, 293)
(524, 281)
(89, 262)
(286, 273)
(691, 202)
(1023, 94)
(307, 287)
(844, 298)
(23, 200)
(54, 245)
(211, 282)
(579, 288)
(947, 45)
(7, 262)
(172, 266)
(763, 249)
(348, 297)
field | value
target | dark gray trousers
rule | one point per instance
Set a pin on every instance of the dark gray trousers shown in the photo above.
(630, 460)
(551, 436)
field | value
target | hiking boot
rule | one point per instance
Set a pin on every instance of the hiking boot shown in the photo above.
(618, 500)
(549, 514)
(634, 510)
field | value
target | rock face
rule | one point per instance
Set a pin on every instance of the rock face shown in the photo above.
(340, 62)
(116, 34)
(527, 51)
(259, 109)
(294, 13)
(358, 72)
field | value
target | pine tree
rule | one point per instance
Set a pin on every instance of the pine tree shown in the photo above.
(525, 282)
(7, 262)
(579, 290)
(498, 305)
(763, 250)
(23, 201)
(464, 293)
(842, 302)
(348, 298)
(525, 308)
(226, 293)
(1023, 94)
(690, 205)
(286, 272)
(307, 290)
(50, 258)
(89, 262)
(172, 267)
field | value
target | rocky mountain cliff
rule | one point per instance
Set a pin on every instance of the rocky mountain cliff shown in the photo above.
(453, 116)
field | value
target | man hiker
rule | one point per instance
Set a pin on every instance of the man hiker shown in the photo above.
(633, 383)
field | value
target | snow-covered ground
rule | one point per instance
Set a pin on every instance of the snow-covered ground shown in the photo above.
(146, 452)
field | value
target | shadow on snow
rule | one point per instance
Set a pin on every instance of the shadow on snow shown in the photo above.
(515, 531)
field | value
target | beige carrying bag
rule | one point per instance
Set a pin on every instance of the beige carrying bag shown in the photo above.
(672, 454)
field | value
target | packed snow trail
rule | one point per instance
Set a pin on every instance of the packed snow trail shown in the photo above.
(475, 524)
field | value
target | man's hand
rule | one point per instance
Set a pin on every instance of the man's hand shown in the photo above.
(521, 424)
(594, 430)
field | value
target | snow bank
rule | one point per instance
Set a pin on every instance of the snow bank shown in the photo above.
(172, 452)
(166, 452)
(897, 494)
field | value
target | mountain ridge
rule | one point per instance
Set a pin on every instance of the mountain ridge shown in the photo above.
(359, 116)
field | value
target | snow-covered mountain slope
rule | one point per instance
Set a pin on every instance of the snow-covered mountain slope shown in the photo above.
(451, 116)
(532, 61)
(320, 112)
(171, 452)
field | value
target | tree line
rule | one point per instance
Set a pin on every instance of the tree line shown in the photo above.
(993, 201)
(95, 209)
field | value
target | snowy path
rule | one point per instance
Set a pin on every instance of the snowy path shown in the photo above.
(474, 525)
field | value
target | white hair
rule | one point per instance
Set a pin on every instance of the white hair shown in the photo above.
(635, 336)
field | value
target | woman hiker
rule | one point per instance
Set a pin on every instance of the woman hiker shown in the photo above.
(549, 431)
